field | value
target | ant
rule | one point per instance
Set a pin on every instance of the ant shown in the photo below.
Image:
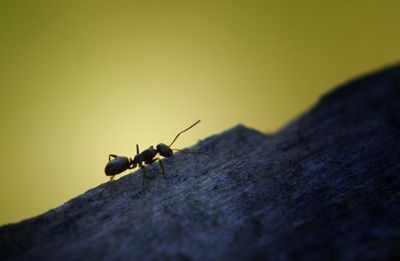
(119, 164)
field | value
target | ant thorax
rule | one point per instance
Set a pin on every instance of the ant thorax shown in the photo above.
(149, 153)
(138, 159)
(146, 156)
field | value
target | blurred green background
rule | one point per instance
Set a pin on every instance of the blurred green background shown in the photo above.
(82, 79)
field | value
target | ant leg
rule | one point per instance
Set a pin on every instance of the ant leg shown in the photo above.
(132, 165)
(112, 155)
(162, 167)
(144, 177)
(111, 179)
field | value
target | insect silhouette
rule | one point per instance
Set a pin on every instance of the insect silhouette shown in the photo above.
(118, 164)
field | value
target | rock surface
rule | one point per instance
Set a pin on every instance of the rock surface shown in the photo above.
(326, 187)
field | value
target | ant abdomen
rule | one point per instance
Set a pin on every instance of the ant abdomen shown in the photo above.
(117, 165)
(164, 150)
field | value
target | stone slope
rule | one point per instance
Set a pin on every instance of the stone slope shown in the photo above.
(326, 187)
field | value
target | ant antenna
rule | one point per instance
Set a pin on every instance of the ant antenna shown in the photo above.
(137, 148)
(182, 132)
(193, 152)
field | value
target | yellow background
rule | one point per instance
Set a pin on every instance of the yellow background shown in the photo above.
(82, 79)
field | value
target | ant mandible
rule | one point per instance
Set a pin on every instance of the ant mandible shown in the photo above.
(119, 164)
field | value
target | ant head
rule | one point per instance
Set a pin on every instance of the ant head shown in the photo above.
(164, 150)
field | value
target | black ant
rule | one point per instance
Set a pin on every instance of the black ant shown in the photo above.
(119, 164)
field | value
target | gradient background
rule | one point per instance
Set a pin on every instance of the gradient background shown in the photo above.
(82, 79)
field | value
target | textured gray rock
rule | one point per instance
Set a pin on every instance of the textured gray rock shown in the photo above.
(326, 187)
